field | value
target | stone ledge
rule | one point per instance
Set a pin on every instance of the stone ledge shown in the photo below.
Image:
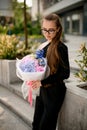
(73, 114)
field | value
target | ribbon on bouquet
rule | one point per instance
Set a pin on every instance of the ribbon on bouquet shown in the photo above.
(29, 83)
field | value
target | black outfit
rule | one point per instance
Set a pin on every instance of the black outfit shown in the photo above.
(49, 102)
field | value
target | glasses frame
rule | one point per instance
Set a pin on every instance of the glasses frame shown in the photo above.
(49, 31)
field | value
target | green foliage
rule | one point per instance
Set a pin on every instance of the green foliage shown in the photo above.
(18, 12)
(11, 47)
(3, 29)
(82, 63)
(18, 29)
(36, 29)
(32, 46)
(33, 27)
(8, 47)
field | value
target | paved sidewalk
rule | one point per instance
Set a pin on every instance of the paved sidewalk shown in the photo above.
(73, 43)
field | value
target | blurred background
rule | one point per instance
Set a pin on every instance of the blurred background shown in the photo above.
(73, 15)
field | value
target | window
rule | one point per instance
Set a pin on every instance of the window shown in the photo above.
(75, 23)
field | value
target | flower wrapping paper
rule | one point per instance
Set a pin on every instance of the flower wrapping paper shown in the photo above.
(31, 67)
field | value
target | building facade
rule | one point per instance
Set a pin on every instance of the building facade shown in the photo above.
(73, 14)
(37, 8)
(6, 12)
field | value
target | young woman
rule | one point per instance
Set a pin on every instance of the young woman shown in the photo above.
(52, 88)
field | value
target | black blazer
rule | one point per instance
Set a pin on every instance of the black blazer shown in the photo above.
(63, 70)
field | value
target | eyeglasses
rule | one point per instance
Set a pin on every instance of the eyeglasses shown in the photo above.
(50, 31)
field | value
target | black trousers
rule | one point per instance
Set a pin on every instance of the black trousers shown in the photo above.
(47, 108)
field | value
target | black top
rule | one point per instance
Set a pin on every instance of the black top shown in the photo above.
(63, 70)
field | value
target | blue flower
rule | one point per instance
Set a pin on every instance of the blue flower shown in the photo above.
(28, 66)
(39, 53)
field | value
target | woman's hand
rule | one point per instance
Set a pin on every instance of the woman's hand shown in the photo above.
(35, 84)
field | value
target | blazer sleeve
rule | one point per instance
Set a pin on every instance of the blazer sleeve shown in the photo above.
(63, 70)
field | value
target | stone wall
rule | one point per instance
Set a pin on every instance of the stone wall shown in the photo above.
(73, 114)
(8, 72)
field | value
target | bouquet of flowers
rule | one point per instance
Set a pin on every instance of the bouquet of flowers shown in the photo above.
(31, 67)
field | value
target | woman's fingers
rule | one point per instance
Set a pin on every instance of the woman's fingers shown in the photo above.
(35, 84)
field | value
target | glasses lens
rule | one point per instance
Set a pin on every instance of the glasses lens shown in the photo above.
(50, 31)
(44, 31)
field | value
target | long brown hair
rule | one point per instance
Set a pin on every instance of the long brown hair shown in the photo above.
(53, 56)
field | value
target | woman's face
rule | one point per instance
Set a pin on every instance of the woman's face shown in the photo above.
(49, 29)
